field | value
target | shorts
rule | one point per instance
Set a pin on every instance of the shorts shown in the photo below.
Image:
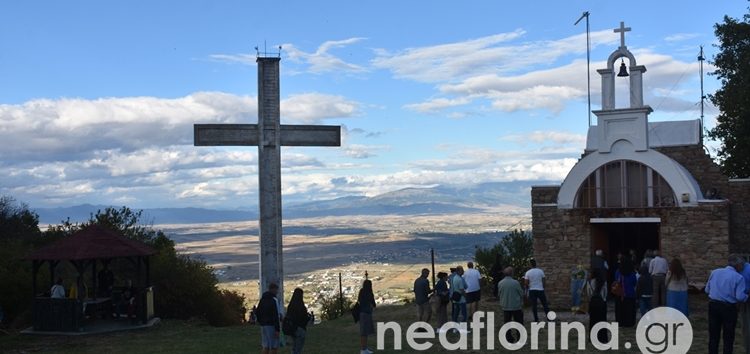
(472, 296)
(268, 338)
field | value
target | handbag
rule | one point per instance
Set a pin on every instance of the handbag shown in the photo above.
(617, 289)
(456, 297)
(355, 312)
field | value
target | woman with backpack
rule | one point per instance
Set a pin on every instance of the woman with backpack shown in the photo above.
(366, 302)
(295, 322)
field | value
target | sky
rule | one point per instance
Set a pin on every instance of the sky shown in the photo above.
(98, 98)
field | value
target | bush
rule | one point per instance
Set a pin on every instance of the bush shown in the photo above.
(331, 307)
(227, 309)
(515, 250)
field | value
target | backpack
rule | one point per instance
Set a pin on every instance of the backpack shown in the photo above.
(355, 312)
(288, 326)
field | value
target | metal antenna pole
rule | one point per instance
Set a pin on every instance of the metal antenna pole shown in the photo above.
(701, 59)
(588, 59)
(432, 256)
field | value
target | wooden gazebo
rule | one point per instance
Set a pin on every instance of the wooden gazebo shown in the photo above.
(84, 249)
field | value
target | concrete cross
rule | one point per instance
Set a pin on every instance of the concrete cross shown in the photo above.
(622, 31)
(269, 135)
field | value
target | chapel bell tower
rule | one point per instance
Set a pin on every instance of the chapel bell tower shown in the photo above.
(622, 124)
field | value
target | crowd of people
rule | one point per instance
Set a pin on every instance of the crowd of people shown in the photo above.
(633, 285)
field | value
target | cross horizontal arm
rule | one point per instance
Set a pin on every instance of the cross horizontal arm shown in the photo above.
(247, 135)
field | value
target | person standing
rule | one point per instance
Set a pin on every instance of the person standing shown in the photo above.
(726, 290)
(458, 295)
(598, 262)
(366, 299)
(648, 256)
(534, 280)
(745, 309)
(297, 312)
(510, 293)
(105, 280)
(577, 281)
(658, 268)
(644, 290)
(268, 319)
(443, 294)
(58, 290)
(597, 291)
(473, 291)
(422, 292)
(625, 311)
(677, 287)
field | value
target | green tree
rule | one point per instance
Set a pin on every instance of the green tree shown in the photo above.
(733, 98)
(19, 230)
(515, 250)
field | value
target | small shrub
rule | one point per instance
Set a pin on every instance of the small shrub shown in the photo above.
(228, 309)
(331, 307)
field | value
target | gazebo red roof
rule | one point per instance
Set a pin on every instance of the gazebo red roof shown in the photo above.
(93, 242)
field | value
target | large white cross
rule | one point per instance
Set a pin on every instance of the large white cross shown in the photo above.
(269, 135)
(622, 31)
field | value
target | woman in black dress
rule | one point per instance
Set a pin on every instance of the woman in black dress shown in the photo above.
(366, 301)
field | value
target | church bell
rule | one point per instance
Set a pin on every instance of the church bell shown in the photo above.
(623, 70)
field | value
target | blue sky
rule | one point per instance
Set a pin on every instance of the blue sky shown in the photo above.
(98, 98)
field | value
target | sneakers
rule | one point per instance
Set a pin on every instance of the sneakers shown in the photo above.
(365, 351)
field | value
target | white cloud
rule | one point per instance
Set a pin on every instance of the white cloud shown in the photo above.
(357, 151)
(438, 104)
(481, 56)
(553, 88)
(317, 62)
(70, 128)
(313, 107)
(678, 37)
(548, 136)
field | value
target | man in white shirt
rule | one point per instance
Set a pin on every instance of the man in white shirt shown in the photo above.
(472, 276)
(57, 291)
(534, 282)
(658, 268)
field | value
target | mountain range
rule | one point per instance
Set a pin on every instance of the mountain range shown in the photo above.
(442, 199)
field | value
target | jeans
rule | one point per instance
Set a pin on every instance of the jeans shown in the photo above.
(722, 316)
(645, 304)
(535, 295)
(460, 306)
(575, 288)
(299, 340)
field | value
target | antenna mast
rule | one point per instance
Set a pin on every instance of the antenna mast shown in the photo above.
(588, 59)
(701, 59)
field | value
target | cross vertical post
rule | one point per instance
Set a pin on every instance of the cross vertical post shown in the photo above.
(622, 31)
(269, 174)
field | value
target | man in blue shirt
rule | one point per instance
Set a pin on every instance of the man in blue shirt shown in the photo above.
(726, 290)
(745, 308)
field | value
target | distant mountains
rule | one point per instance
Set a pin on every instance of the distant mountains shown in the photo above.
(443, 199)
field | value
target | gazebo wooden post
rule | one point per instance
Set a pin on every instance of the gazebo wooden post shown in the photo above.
(93, 278)
(148, 270)
(52, 265)
(34, 271)
(138, 270)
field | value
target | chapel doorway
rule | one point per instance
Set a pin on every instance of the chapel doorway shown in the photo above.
(620, 237)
